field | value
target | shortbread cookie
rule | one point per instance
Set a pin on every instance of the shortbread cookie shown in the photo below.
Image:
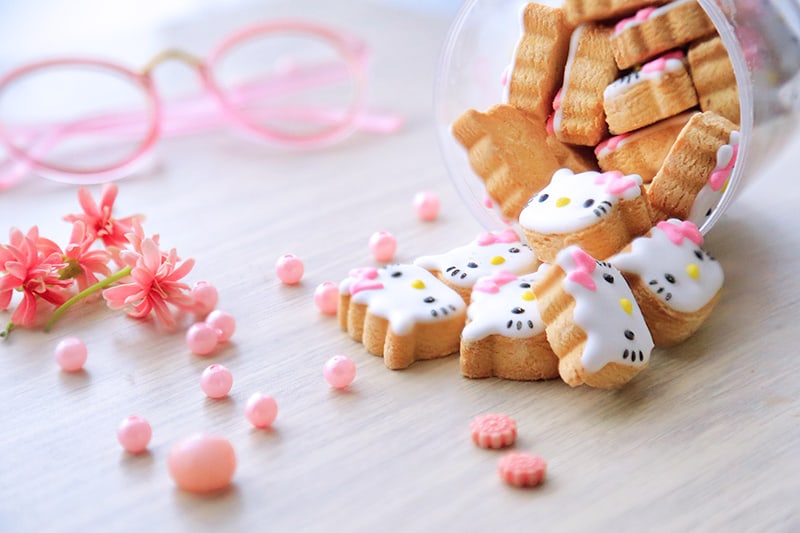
(643, 151)
(490, 252)
(580, 11)
(654, 30)
(508, 151)
(706, 201)
(660, 89)
(675, 282)
(504, 336)
(592, 321)
(576, 158)
(599, 212)
(401, 312)
(539, 59)
(696, 159)
(578, 107)
(713, 77)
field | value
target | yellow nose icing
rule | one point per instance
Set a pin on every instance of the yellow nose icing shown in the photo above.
(626, 305)
(528, 296)
(497, 260)
(561, 202)
(693, 271)
(417, 284)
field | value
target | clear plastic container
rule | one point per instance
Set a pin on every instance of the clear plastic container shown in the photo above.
(762, 38)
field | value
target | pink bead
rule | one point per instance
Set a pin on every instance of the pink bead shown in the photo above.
(289, 269)
(339, 371)
(134, 434)
(426, 204)
(326, 297)
(202, 463)
(201, 338)
(216, 381)
(205, 297)
(383, 245)
(71, 354)
(261, 410)
(223, 323)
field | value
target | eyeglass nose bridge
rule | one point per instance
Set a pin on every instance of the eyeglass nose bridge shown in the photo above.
(173, 54)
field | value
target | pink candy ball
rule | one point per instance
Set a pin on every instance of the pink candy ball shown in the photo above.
(426, 205)
(205, 297)
(202, 463)
(326, 297)
(216, 381)
(223, 323)
(134, 434)
(71, 354)
(289, 269)
(383, 245)
(339, 371)
(202, 338)
(261, 410)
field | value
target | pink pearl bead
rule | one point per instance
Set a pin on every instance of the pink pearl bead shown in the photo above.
(326, 297)
(216, 381)
(339, 371)
(202, 463)
(71, 354)
(201, 338)
(426, 204)
(289, 269)
(223, 323)
(205, 297)
(261, 410)
(383, 245)
(134, 434)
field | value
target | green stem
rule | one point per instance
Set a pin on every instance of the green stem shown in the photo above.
(100, 285)
(6, 332)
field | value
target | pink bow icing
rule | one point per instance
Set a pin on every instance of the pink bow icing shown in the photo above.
(615, 181)
(584, 266)
(677, 231)
(640, 16)
(611, 143)
(659, 64)
(491, 284)
(365, 280)
(719, 177)
(488, 237)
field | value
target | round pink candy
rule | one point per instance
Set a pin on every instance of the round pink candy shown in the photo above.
(383, 245)
(202, 463)
(289, 269)
(201, 338)
(426, 205)
(205, 297)
(339, 371)
(71, 354)
(134, 434)
(261, 410)
(216, 381)
(223, 323)
(326, 297)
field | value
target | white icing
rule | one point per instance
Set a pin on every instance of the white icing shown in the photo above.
(510, 312)
(589, 202)
(632, 22)
(600, 314)
(664, 266)
(623, 84)
(463, 266)
(403, 305)
(683, 118)
(707, 198)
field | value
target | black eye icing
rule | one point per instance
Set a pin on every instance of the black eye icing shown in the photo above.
(429, 300)
(588, 203)
(513, 250)
(525, 285)
(472, 264)
(518, 310)
(698, 254)
(629, 335)
(670, 278)
(608, 277)
(544, 197)
(397, 274)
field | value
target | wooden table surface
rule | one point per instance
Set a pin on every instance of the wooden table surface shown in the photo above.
(707, 438)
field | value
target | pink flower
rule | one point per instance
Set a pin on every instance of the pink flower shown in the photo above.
(153, 284)
(33, 271)
(83, 263)
(99, 220)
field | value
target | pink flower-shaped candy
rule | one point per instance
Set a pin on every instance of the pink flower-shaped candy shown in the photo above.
(522, 469)
(493, 431)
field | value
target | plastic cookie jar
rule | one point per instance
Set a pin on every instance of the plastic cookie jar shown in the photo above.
(762, 38)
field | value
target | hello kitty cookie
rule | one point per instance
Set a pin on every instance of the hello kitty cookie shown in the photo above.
(401, 312)
(592, 321)
(601, 212)
(505, 336)
(675, 282)
(491, 251)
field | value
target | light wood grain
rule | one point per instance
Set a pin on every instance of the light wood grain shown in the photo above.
(707, 438)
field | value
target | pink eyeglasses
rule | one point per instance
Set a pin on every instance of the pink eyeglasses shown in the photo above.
(288, 83)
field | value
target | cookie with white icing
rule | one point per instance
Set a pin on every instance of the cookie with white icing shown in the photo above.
(489, 252)
(675, 282)
(505, 336)
(579, 11)
(402, 313)
(601, 212)
(592, 320)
